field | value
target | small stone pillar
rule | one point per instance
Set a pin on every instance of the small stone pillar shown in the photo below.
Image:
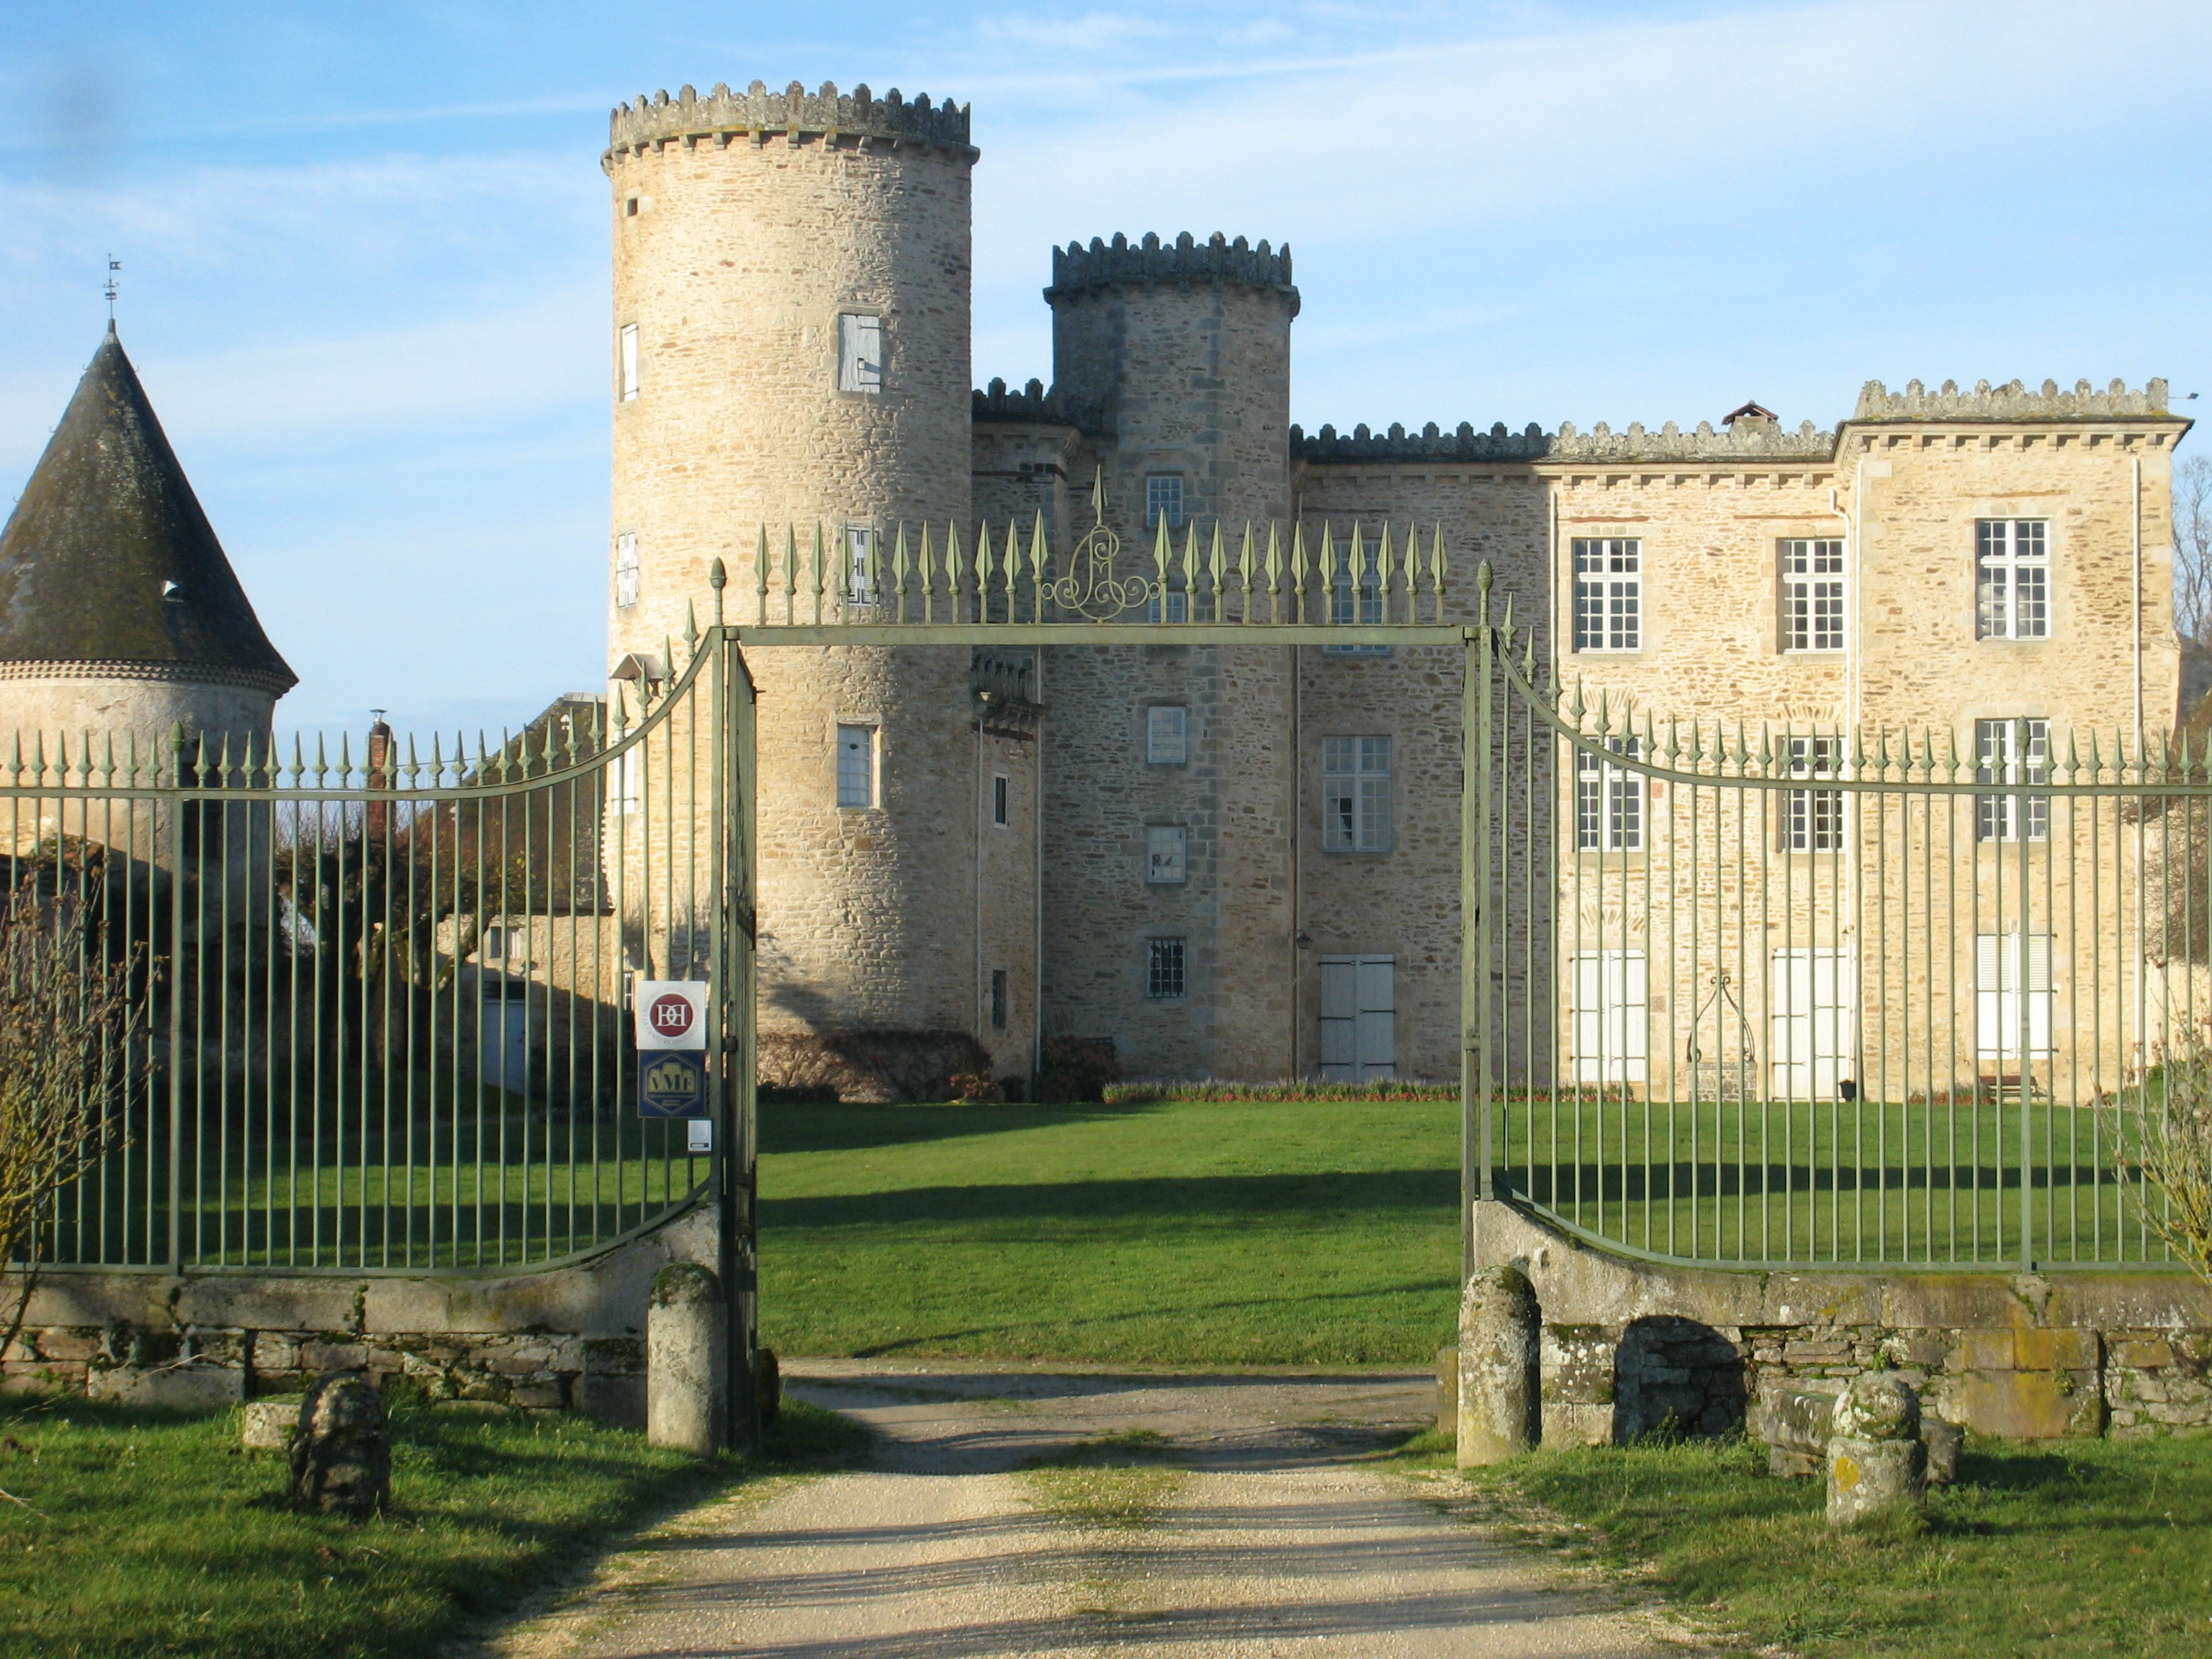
(1877, 1463)
(686, 1361)
(1497, 1400)
(341, 1460)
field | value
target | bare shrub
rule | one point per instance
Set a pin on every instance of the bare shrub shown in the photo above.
(2174, 1156)
(71, 1038)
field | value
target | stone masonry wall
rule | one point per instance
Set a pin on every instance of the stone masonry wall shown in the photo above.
(1630, 1347)
(570, 1339)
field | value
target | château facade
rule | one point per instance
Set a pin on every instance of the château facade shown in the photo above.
(1243, 860)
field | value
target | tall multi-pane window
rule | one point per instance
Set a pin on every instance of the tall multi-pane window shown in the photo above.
(1608, 595)
(1173, 607)
(856, 766)
(1164, 968)
(1164, 853)
(1356, 596)
(2011, 579)
(1815, 820)
(2012, 752)
(1355, 792)
(1167, 735)
(628, 363)
(860, 564)
(1163, 499)
(1609, 800)
(1812, 595)
(626, 570)
(860, 353)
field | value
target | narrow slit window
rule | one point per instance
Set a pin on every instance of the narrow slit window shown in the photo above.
(856, 766)
(860, 353)
(999, 1000)
(998, 804)
(629, 363)
(626, 570)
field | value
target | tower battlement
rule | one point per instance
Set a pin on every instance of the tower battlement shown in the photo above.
(2010, 402)
(1076, 268)
(794, 113)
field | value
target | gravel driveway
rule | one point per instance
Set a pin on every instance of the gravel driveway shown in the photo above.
(1279, 1538)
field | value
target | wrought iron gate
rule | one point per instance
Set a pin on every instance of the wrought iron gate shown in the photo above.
(1755, 995)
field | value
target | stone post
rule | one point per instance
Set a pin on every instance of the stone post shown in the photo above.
(341, 1460)
(1877, 1463)
(1497, 1400)
(686, 1387)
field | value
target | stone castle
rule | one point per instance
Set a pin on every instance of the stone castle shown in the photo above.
(1238, 861)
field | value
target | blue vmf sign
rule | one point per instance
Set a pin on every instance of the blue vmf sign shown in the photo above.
(672, 1084)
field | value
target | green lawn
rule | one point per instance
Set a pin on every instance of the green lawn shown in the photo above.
(1164, 1233)
(2058, 1550)
(143, 1532)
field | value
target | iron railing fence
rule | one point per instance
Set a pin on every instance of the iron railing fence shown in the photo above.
(1792, 996)
(386, 994)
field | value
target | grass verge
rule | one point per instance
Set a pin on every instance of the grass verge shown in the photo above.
(139, 1532)
(1118, 1482)
(1274, 1232)
(2073, 1548)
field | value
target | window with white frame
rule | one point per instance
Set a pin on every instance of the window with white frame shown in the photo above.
(2011, 579)
(628, 790)
(860, 564)
(1608, 595)
(1355, 795)
(2012, 752)
(1167, 735)
(998, 802)
(1163, 499)
(1164, 853)
(1812, 595)
(860, 353)
(1164, 968)
(1173, 606)
(1814, 823)
(1356, 596)
(856, 766)
(1609, 800)
(2013, 994)
(626, 570)
(629, 356)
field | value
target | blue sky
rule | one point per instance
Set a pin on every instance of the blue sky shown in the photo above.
(366, 266)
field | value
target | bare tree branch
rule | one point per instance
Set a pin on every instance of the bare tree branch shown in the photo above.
(2192, 549)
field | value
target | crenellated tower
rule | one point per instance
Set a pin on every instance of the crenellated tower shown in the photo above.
(790, 350)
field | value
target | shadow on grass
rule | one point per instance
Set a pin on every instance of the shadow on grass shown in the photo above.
(1181, 1311)
(797, 1128)
(1185, 1197)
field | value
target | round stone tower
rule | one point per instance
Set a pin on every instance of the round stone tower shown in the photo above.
(791, 277)
(119, 615)
(1179, 354)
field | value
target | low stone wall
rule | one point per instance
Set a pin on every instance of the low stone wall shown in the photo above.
(1629, 1346)
(570, 1339)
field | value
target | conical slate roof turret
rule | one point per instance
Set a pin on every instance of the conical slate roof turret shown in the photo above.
(108, 560)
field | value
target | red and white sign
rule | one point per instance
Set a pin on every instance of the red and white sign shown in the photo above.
(672, 1013)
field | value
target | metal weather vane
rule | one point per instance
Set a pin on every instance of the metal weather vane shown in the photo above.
(1090, 589)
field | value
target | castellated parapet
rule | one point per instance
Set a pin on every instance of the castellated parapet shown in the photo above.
(791, 347)
(2011, 402)
(1185, 260)
(794, 113)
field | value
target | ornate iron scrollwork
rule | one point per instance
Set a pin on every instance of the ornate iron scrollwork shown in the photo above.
(1090, 589)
